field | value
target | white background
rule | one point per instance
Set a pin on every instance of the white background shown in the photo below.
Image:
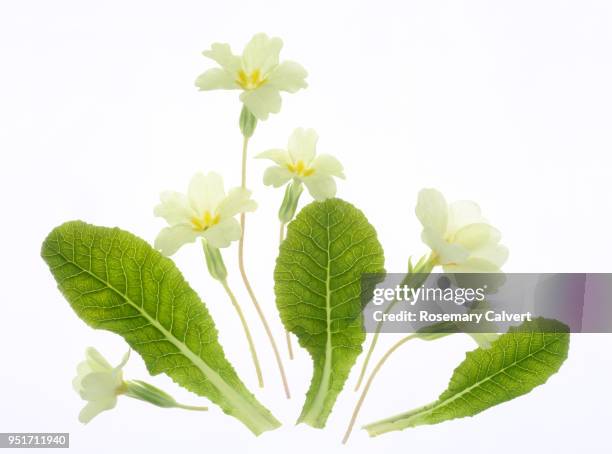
(505, 103)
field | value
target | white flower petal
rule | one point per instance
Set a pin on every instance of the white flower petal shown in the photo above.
(216, 79)
(83, 369)
(462, 213)
(262, 101)
(320, 187)
(261, 52)
(476, 236)
(303, 145)
(222, 234)
(326, 164)
(96, 361)
(446, 252)
(288, 76)
(449, 253)
(276, 176)
(206, 192)
(431, 238)
(238, 200)
(280, 157)
(458, 234)
(432, 210)
(124, 361)
(222, 54)
(99, 386)
(98, 383)
(93, 409)
(472, 265)
(174, 208)
(170, 239)
(496, 254)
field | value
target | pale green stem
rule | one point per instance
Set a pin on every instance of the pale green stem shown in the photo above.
(247, 331)
(366, 361)
(282, 232)
(368, 384)
(245, 144)
(191, 407)
(247, 285)
(287, 333)
(424, 269)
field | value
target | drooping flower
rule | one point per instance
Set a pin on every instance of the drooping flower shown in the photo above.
(98, 383)
(300, 163)
(257, 72)
(205, 211)
(460, 239)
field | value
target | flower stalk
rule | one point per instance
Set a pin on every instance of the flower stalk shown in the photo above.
(285, 215)
(368, 384)
(287, 333)
(244, 127)
(416, 276)
(216, 268)
(260, 76)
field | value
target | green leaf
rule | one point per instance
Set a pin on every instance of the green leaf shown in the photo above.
(516, 362)
(115, 281)
(318, 273)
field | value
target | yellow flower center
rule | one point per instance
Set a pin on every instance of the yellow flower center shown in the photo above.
(300, 169)
(205, 222)
(250, 81)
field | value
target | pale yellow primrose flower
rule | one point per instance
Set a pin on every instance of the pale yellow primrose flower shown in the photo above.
(461, 240)
(98, 383)
(205, 211)
(257, 72)
(299, 162)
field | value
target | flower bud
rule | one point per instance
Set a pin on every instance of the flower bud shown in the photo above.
(247, 122)
(290, 202)
(214, 261)
(144, 391)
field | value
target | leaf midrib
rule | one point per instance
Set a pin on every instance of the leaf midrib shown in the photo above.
(319, 400)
